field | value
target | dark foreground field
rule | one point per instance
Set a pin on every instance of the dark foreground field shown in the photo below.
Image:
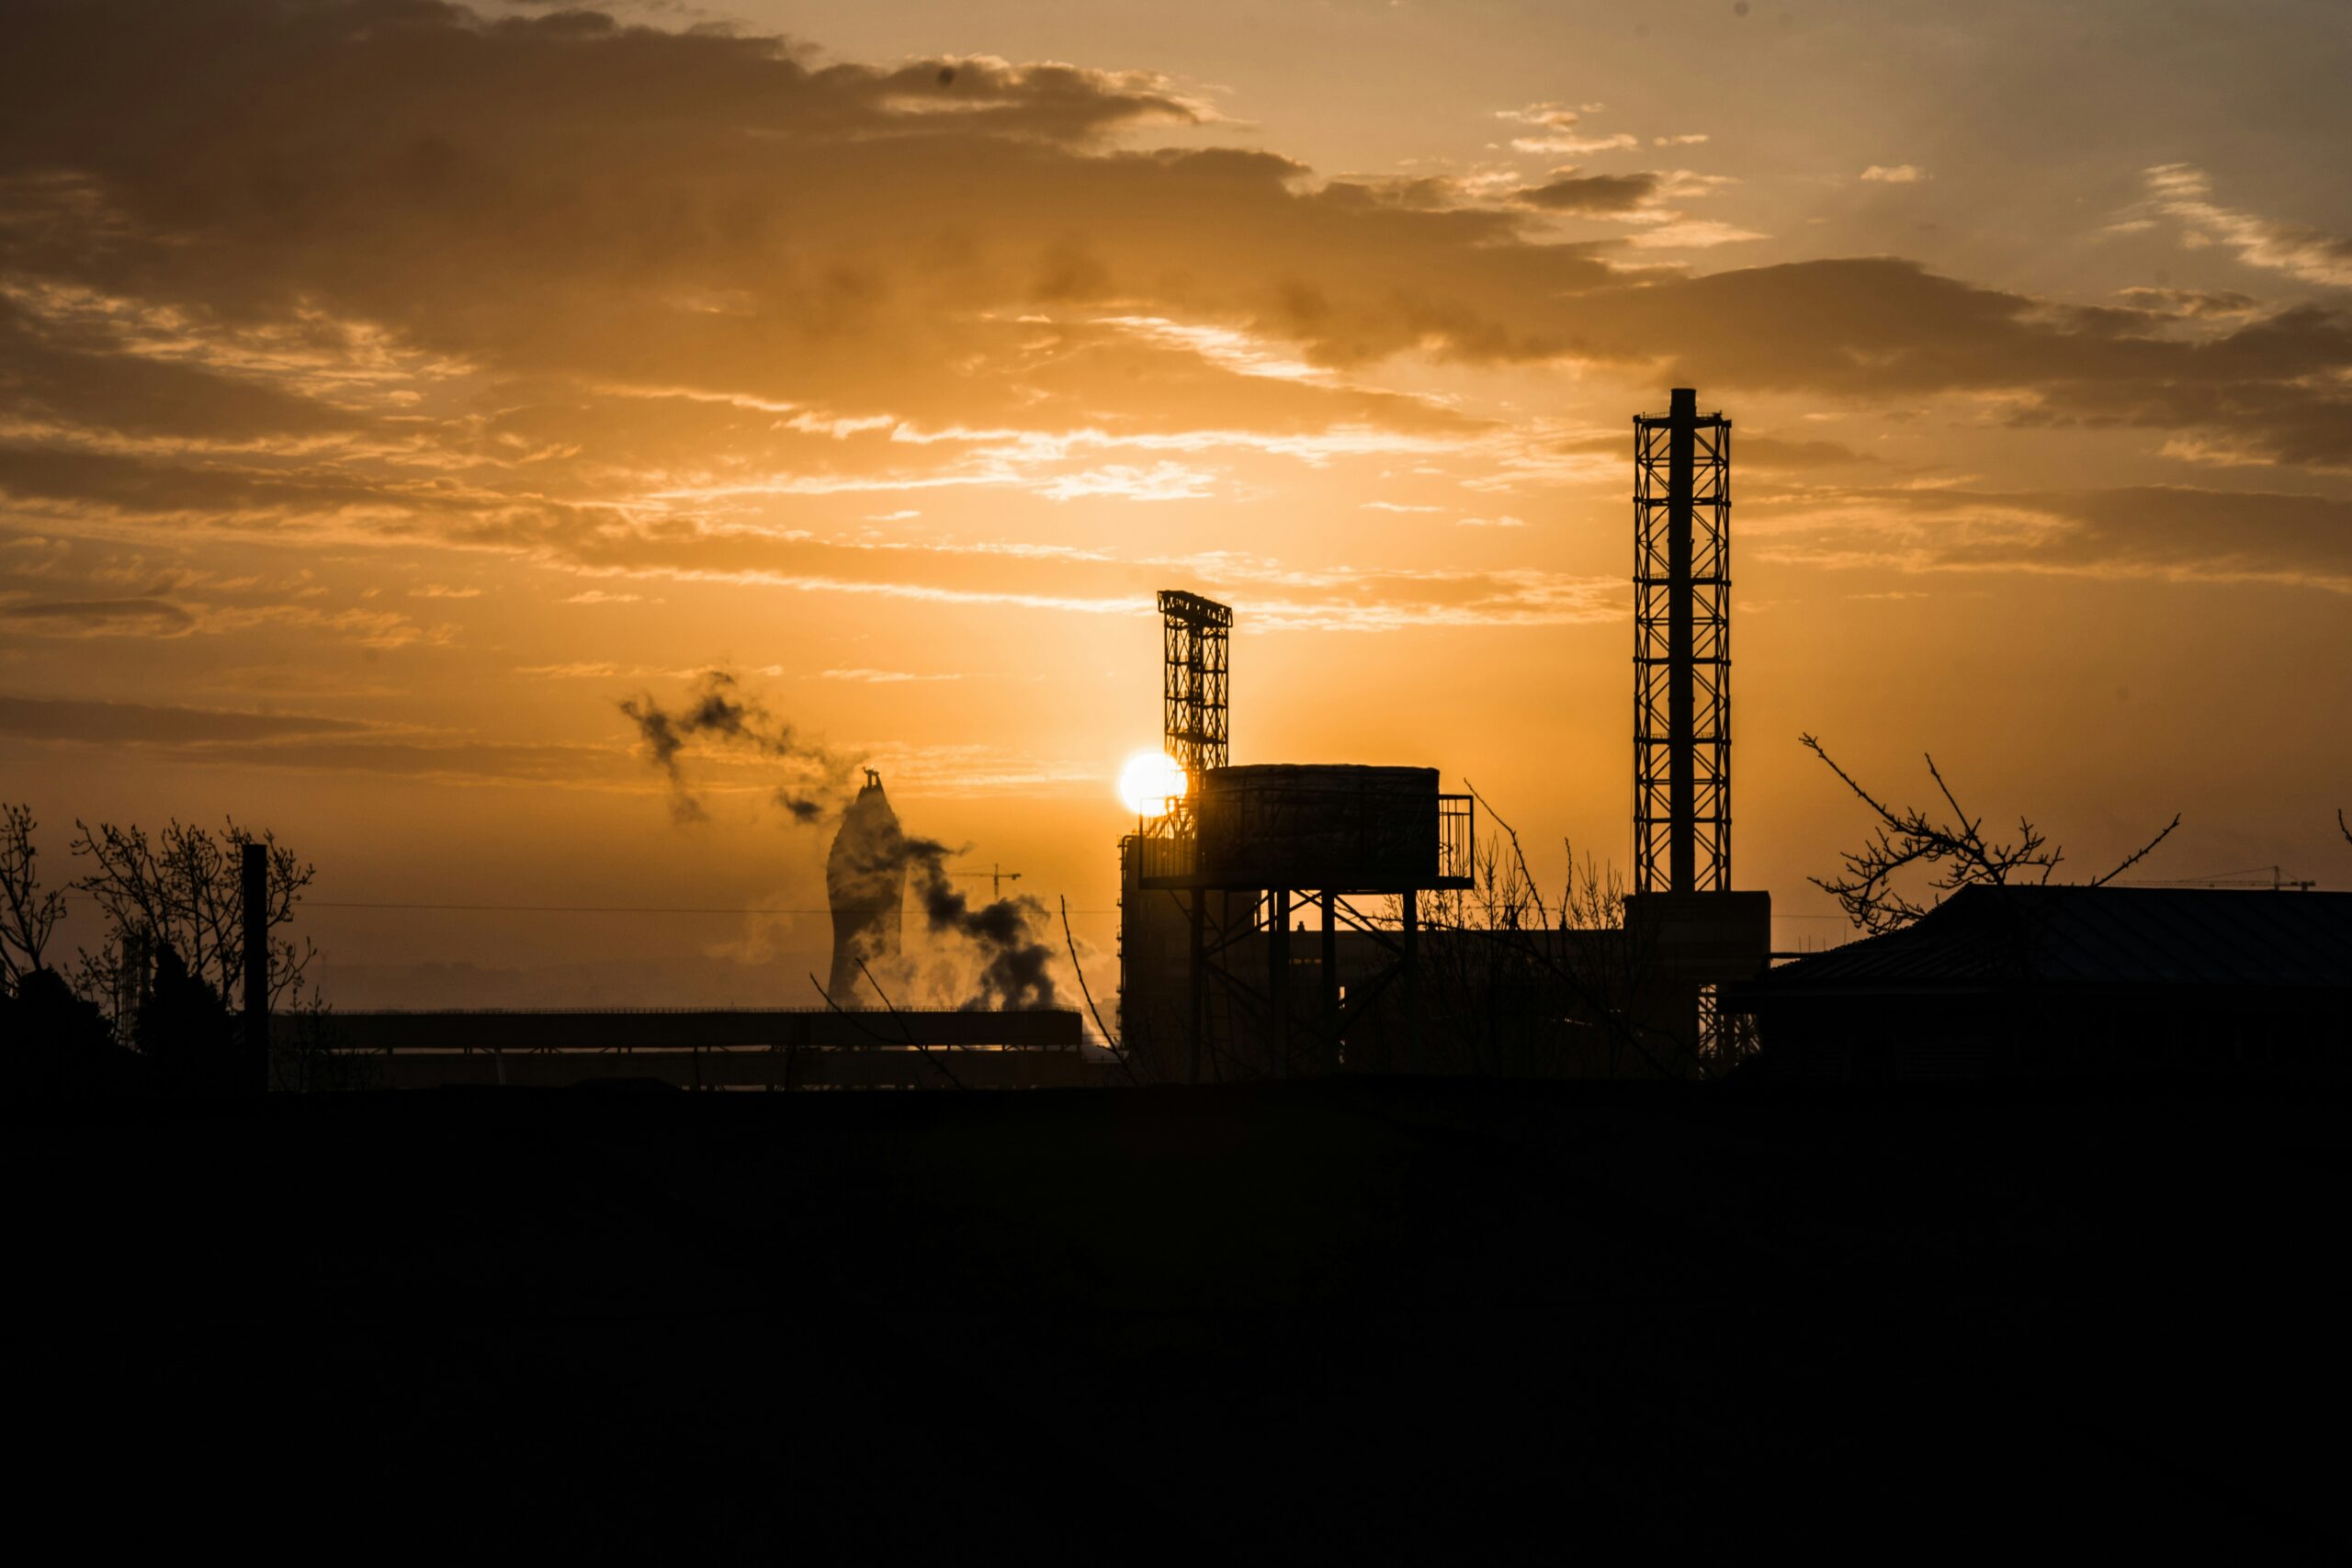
(1436, 1317)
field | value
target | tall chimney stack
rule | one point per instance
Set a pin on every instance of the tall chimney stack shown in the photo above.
(866, 883)
(1682, 767)
(1681, 649)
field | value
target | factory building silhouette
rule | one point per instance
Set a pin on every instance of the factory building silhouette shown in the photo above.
(1216, 980)
(1276, 919)
(2052, 981)
(1284, 919)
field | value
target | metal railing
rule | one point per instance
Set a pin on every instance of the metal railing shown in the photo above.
(1175, 860)
(1457, 841)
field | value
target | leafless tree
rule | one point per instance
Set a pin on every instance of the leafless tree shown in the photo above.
(1118, 1050)
(1478, 976)
(28, 916)
(1547, 986)
(1957, 852)
(1617, 975)
(184, 887)
(1594, 899)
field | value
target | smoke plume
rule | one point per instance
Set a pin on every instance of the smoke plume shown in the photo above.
(718, 709)
(1004, 935)
(1013, 960)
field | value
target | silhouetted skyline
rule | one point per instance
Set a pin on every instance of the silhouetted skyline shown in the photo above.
(386, 392)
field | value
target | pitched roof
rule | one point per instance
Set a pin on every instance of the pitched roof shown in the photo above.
(2098, 936)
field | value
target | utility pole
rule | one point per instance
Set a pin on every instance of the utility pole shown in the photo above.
(254, 864)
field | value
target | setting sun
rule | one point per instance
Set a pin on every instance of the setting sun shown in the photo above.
(1151, 781)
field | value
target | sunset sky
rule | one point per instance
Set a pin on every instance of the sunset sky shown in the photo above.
(388, 389)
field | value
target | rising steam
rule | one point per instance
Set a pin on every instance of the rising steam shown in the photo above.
(1013, 972)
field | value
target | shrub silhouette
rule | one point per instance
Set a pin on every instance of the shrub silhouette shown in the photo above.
(59, 1045)
(187, 1033)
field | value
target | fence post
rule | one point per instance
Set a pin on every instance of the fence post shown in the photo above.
(1412, 982)
(256, 868)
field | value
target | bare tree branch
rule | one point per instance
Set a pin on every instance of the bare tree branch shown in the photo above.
(1534, 890)
(1084, 990)
(1514, 991)
(906, 1035)
(2136, 856)
(1958, 850)
(27, 915)
(1594, 900)
(183, 889)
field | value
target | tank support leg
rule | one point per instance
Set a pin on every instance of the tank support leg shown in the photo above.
(1330, 983)
(1195, 980)
(1412, 981)
(1278, 979)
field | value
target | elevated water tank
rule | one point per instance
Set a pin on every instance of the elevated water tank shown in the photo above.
(1323, 825)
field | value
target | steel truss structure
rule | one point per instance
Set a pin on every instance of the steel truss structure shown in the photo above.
(1239, 1015)
(1725, 1038)
(1195, 635)
(1682, 649)
(1238, 1028)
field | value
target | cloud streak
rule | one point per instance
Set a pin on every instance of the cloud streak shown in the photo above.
(2170, 533)
(2184, 192)
(472, 312)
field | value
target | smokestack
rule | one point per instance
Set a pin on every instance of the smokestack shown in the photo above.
(866, 882)
(1683, 763)
(1681, 649)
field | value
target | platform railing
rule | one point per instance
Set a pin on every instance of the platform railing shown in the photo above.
(1457, 841)
(1175, 860)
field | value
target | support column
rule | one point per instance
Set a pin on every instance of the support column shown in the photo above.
(1330, 982)
(1682, 761)
(1412, 980)
(1278, 979)
(254, 868)
(1195, 982)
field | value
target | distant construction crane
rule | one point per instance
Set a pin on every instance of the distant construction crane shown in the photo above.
(998, 876)
(2278, 882)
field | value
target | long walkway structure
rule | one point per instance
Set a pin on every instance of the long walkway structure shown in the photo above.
(722, 1048)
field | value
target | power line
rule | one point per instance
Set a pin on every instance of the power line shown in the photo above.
(563, 908)
(547, 908)
(583, 908)
(655, 909)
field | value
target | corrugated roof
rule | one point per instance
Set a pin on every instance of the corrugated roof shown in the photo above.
(2099, 936)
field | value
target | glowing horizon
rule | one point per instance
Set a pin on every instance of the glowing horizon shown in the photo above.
(385, 399)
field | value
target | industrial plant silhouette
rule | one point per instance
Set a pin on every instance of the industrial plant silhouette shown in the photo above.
(1282, 920)
(1394, 1208)
(575, 987)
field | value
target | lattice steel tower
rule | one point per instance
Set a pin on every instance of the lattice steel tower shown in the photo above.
(1682, 649)
(1194, 632)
